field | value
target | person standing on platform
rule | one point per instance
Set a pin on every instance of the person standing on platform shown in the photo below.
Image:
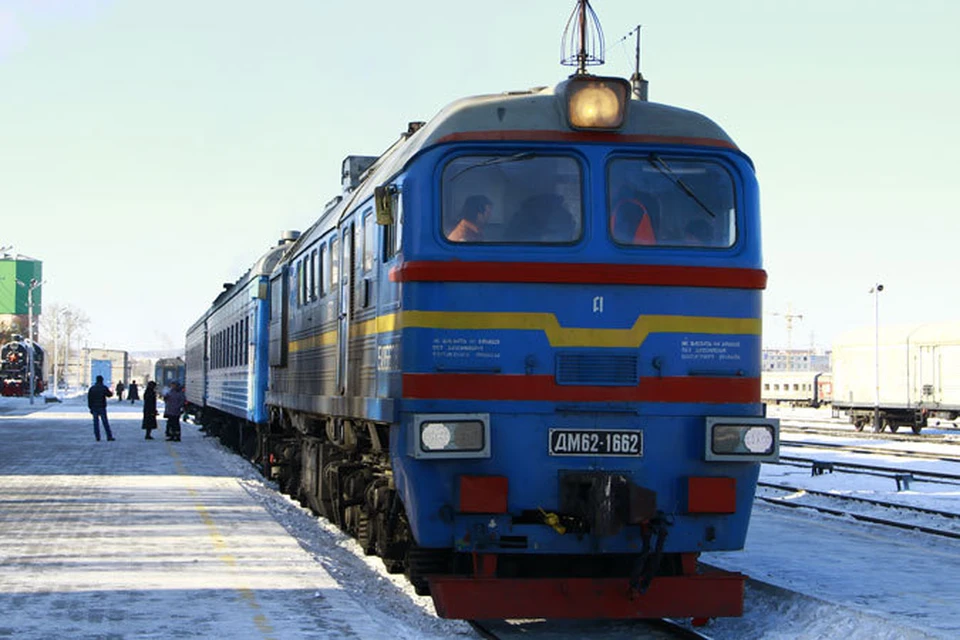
(174, 401)
(149, 408)
(97, 403)
(120, 389)
(133, 392)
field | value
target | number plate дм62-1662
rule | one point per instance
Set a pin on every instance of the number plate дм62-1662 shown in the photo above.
(595, 442)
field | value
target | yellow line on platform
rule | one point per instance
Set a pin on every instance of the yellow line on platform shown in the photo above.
(220, 544)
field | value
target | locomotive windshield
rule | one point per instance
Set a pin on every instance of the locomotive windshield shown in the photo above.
(679, 202)
(522, 198)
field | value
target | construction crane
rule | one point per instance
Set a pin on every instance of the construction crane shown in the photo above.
(789, 317)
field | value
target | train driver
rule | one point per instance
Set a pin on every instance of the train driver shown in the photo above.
(473, 218)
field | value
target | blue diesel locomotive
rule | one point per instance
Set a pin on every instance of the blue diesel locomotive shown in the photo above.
(518, 357)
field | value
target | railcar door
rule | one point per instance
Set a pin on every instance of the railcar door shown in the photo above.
(279, 301)
(927, 377)
(346, 258)
(101, 368)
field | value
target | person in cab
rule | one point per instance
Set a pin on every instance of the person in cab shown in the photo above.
(473, 218)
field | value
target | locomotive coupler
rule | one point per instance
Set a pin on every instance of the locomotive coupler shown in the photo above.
(648, 563)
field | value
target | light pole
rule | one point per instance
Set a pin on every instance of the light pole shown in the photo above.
(56, 349)
(33, 284)
(875, 290)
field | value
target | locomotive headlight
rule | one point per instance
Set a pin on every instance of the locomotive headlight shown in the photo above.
(596, 103)
(743, 439)
(451, 436)
(435, 435)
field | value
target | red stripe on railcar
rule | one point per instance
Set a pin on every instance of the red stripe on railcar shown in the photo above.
(707, 595)
(472, 386)
(566, 273)
(541, 135)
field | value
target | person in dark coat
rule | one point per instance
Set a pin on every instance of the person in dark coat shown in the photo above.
(149, 408)
(97, 403)
(173, 407)
(133, 392)
(120, 388)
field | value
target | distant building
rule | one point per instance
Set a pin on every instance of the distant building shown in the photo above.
(796, 360)
(112, 364)
(14, 312)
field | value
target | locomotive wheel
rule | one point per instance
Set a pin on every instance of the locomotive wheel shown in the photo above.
(327, 508)
(917, 428)
(894, 427)
(393, 566)
(878, 427)
(365, 535)
(858, 425)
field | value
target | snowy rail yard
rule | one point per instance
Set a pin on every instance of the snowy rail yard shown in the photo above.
(141, 539)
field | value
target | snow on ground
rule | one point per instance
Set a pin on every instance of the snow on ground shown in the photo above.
(859, 581)
(141, 539)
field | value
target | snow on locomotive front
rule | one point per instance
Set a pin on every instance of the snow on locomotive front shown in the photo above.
(579, 354)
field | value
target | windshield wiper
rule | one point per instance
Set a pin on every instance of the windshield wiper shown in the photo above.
(526, 155)
(661, 165)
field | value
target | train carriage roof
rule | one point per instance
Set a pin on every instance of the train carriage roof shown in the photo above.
(542, 110)
(262, 267)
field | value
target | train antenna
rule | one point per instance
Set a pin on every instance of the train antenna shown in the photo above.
(636, 80)
(582, 44)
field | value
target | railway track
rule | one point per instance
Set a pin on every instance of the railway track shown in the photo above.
(949, 521)
(806, 429)
(662, 629)
(916, 475)
(872, 451)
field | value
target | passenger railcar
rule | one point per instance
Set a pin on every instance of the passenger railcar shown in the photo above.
(551, 415)
(15, 366)
(169, 370)
(797, 388)
(226, 351)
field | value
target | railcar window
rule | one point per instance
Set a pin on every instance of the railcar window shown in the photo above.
(313, 275)
(304, 280)
(323, 265)
(512, 199)
(334, 263)
(676, 202)
(299, 283)
(369, 238)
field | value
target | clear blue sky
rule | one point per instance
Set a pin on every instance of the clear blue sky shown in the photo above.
(151, 150)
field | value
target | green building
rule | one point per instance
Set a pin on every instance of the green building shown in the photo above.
(13, 297)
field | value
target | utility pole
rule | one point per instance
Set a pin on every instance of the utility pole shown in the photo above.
(789, 317)
(875, 290)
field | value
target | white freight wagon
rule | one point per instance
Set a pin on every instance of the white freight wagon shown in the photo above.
(919, 375)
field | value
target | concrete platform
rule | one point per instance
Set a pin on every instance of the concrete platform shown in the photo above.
(149, 539)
